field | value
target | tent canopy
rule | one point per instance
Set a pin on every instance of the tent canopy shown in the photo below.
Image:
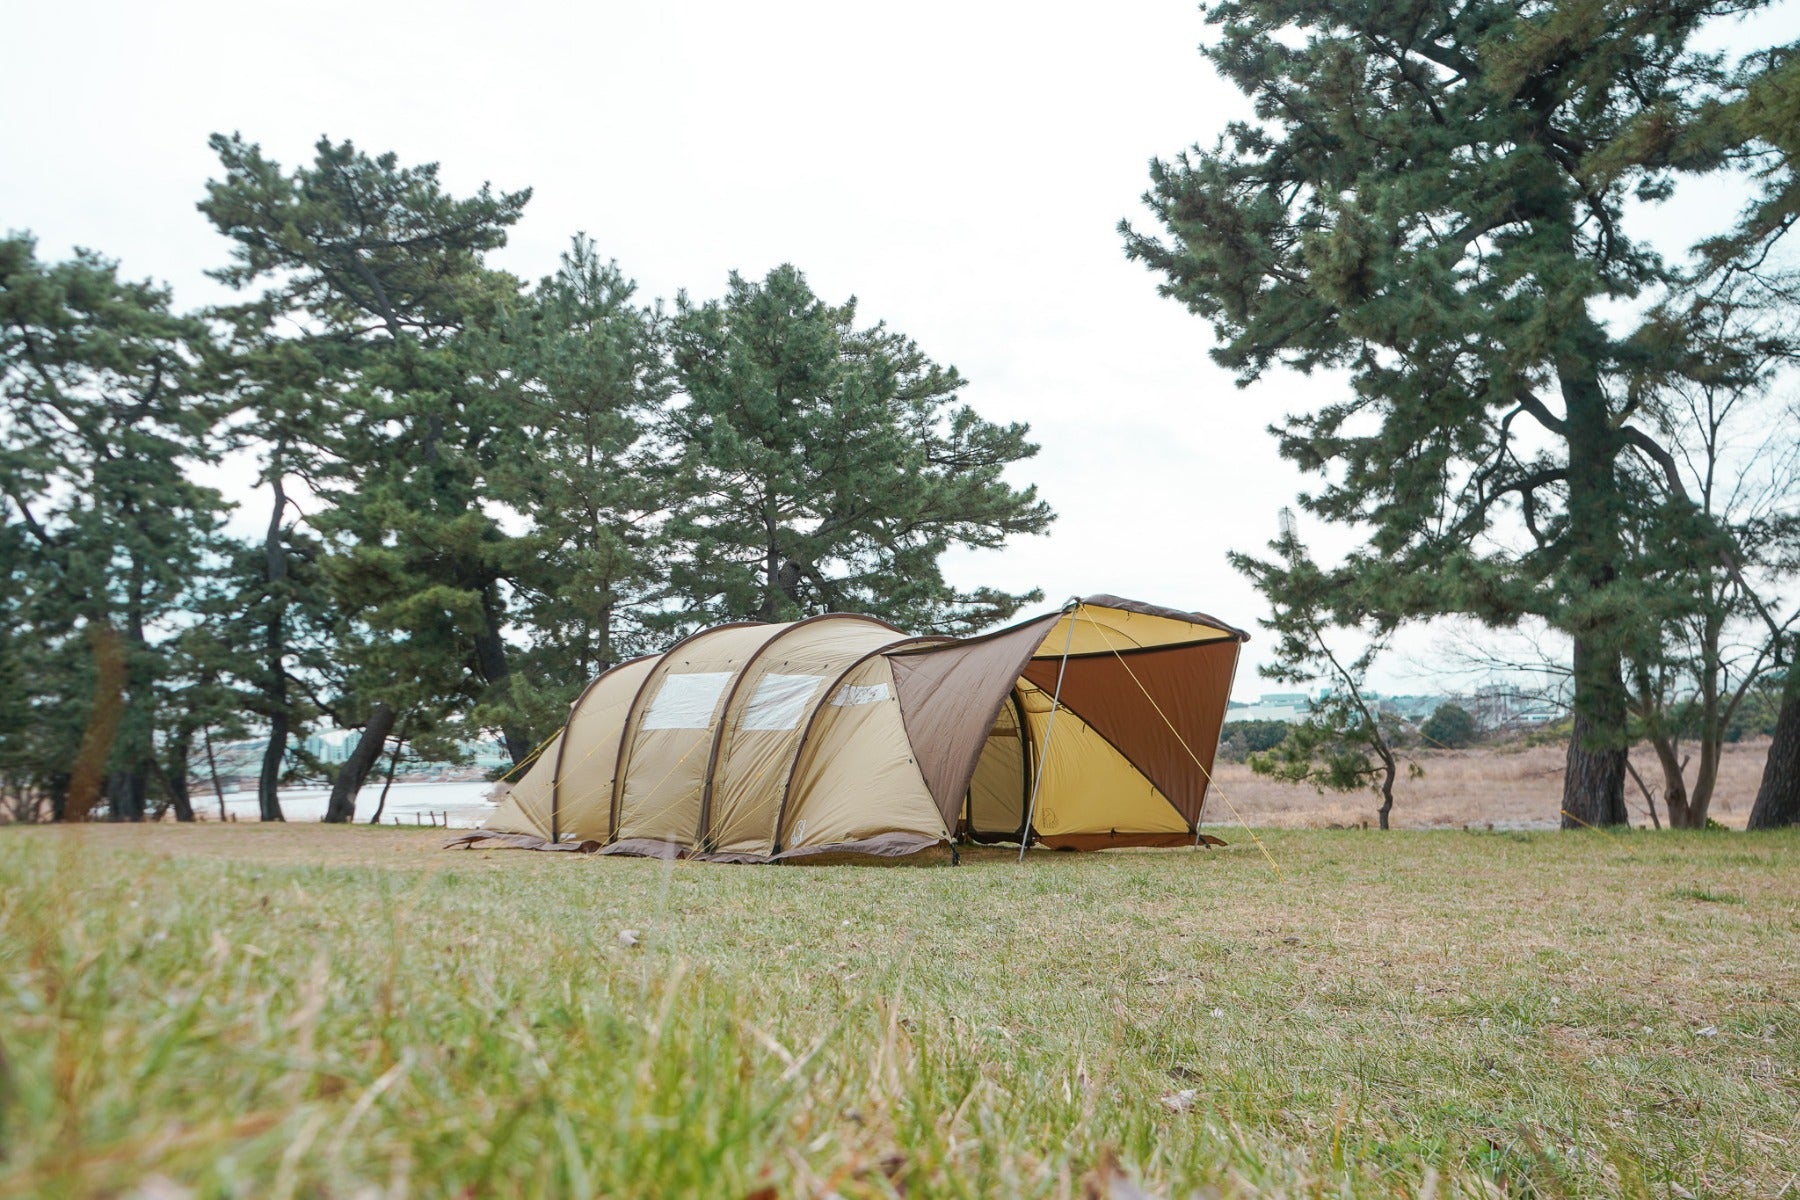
(754, 743)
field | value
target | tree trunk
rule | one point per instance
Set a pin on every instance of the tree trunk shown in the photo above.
(1594, 782)
(268, 781)
(275, 571)
(1778, 799)
(127, 794)
(175, 776)
(393, 765)
(600, 630)
(89, 771)
(490, 656)
(212, 768)
(350, 776)
(1706, 778)
(771, 570)
(1675, 792)
(1712, 716)
(1387, 794)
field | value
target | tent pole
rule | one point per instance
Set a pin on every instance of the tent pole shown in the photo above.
(1049, 727)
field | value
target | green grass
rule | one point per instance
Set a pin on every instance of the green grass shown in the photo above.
(1705, 895)
(235, 1011)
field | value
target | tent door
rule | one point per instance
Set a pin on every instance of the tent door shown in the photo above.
(994, 808)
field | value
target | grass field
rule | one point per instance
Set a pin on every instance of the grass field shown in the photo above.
(310, 1012)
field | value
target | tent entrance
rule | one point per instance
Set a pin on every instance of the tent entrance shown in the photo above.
(1091, 793)
(1090, 790)
(994, 807)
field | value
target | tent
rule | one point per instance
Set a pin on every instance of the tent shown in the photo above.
(1088, 727)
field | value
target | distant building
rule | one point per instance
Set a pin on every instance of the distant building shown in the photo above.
(487, 754)
(1292, 707)
(1414, 709)
(331, 747)
(1499, 705)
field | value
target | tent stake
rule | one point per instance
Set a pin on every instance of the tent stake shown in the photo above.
(1049, 727)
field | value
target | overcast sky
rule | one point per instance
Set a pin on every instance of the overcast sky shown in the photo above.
(960, 168)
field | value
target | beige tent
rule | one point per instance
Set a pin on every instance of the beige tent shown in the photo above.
(1089, 727)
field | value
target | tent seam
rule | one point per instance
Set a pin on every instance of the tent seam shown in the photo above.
(626, 731)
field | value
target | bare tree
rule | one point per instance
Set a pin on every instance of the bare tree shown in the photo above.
(1722, 549)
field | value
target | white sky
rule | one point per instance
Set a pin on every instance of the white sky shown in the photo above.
(959, 168)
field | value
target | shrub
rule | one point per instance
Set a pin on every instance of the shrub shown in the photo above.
(1450, 727)
(1257, 735)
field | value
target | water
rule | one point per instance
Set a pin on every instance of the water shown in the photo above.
(407, 803)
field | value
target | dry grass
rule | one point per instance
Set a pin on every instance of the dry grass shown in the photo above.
(329, 1012)
(1509, 787)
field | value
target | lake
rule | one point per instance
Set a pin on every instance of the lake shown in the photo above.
(407, 803)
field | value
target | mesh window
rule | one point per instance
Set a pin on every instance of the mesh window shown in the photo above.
(686, 701)
(780, 701)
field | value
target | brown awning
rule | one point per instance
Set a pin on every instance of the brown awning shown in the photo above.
(949, 697)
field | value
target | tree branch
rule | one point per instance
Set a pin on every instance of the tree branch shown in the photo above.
(1657, 453)
(31, 522)
(1542, 414)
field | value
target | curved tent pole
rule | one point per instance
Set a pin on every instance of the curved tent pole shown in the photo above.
(557, 763)
(635, 710)
(1072, 608)
(1025, 773)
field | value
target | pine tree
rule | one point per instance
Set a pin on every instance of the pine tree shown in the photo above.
(107, 411)
(384, 271)
(1766, 113)
(1432, 198)
(585, 372)
(828, 468)
(1346, 743)
(278, 618)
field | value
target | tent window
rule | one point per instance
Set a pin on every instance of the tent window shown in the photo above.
(686, 701)
(852, 694)
(780, 701)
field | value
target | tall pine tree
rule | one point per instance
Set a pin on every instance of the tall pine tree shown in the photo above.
(585, 371)
(279, 633)
(107, 408)
(384, 272)
(1433, 198)
(1766, 114)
